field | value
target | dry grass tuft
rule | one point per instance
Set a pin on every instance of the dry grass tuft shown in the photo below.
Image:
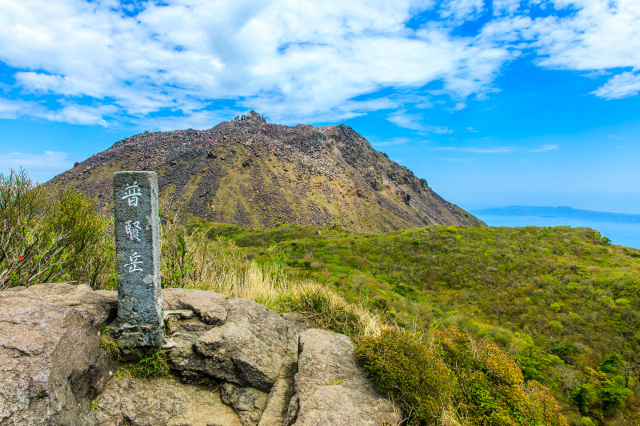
(192, 259)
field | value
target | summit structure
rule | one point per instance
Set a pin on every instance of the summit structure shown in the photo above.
(255, 174)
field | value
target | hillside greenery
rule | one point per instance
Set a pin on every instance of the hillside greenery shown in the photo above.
(439, 377)
(522, 322)
(50, 237)
(562, 302)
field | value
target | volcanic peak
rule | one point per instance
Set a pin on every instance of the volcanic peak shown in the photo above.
(255, 174)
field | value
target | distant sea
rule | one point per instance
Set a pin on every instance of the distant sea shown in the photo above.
(624, 231)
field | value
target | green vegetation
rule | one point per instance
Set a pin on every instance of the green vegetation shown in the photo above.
(149, 363)
(403, 365)
(484, 387)
(562, 302)
(447, 377)
(514, 317)
(111, 346)
(196, 257)
(153, 364)
(50, 237)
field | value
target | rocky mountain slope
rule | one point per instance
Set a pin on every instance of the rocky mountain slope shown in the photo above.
(254, 174)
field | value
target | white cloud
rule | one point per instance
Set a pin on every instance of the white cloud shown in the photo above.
(11, 109)
(621, 86)
(544, 148)
(290, 59)
(41, 166)
(67, 112)
(407, 121)
(462, 9)
(293, 60)
(600, 35)
(415, 122)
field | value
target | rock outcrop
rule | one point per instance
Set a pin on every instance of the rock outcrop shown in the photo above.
(328, 376)
(51, 363)
(160, 401)
(233, 362)
(254, 174)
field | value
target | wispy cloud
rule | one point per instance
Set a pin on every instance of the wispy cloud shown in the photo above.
(621, 86)
(67, 112)
(391, 142)
(462, 10)
(38, 165)
(495, 150)
(415, 122)
(544, 148)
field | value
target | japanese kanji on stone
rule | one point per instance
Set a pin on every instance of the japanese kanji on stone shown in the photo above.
(137, 232)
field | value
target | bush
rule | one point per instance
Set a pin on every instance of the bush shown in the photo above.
(490, 387)
(50, 237)
(454, 370)
(587, 399)
(401, 364)
(613, 395)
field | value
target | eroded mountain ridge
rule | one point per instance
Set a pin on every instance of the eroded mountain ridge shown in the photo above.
(255, 174)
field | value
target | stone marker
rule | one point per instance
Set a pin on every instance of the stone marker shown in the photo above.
(135, 202)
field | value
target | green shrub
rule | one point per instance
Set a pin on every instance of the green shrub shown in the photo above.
(611, 363)
(490, 387)
(48, 237)
(402, 365)
(587, 399)
(613, 395)
(455, 377)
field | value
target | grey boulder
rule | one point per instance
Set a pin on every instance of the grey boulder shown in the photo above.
(248, 349)
(331, 388)
(51, 364)
(160, 401)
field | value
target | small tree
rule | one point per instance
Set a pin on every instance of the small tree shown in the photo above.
(50, 237)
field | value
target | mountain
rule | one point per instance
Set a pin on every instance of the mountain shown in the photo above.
(254, 174)
(563, 211)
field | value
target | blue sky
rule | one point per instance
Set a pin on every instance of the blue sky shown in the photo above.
(493, 102)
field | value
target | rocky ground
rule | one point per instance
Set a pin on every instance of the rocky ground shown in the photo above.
(233, 362)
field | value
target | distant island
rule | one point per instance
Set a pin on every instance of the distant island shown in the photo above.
(563, 211)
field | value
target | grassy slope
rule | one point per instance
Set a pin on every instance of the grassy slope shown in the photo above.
(560, 300)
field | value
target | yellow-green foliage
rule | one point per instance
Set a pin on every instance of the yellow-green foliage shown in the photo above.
(560, 300)
(402, 365)
(50, 237)
(194, 258)
(452, 378)
(490, 388)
